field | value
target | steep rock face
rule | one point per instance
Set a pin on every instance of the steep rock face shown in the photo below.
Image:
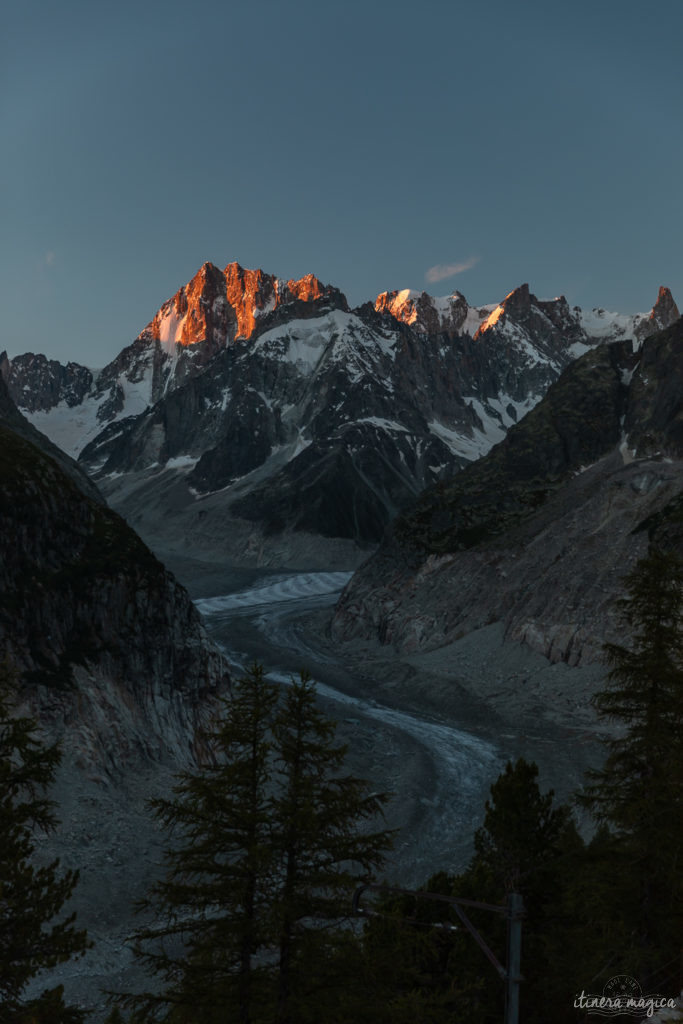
(103, 639)
(424, 313)
(199, 312)
(36, 383)
(253, 295)
(356, 405)
(664, 313)
(539, 532)
(521, 316)
(204, 317)
(275, 419)
(12, 418)
(257, 388)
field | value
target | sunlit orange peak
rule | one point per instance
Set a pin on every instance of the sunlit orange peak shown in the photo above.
(493, 317)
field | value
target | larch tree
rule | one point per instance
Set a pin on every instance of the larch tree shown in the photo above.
(269, 849)
(323, 853)
(638, 793)
(31, 897)
(211, 907)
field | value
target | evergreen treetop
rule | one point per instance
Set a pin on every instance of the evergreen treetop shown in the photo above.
(31, 897)
(268, 852)
(638, 793)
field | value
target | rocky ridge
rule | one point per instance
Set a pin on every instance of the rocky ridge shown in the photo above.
(260, 409)
(538, 533)
(105, 643)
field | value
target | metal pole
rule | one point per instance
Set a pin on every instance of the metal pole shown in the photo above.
(514, 957)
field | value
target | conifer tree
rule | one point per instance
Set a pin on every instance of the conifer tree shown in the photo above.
(638, 793)
(527, 844)
(213, 899)
(31, 897)
(269, 854)
(322, 852)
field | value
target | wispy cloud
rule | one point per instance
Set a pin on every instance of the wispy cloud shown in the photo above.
(50, 258)
(443, 270)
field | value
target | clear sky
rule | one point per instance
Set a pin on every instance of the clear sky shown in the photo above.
(367, 142)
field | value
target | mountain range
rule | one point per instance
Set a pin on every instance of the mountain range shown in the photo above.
(496, 468)
(265, 421)
(538, 534)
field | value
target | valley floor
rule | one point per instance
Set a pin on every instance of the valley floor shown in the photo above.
(435, 730)
(501, 694)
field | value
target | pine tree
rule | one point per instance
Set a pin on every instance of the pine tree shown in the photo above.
(638, 793)
(322, 852)
(526, 844)
(30, 897)
(268, 857)
(262, 878)
(212, 902)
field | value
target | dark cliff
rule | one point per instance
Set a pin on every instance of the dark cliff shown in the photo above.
(105, 643)
(539, 532)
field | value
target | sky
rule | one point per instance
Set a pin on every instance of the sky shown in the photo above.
(380, 145)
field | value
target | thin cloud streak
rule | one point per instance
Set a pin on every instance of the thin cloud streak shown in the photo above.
(443, 270)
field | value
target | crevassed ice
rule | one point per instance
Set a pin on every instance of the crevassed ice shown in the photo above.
(289, 588)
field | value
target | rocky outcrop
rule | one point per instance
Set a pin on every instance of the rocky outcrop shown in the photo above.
(106, 644)
(36, 383)
(424, 313)
(538, 533)
(204, 318)
(664, 312)
(199, 312)
(11, 418)
(521, 314)
(216, 307)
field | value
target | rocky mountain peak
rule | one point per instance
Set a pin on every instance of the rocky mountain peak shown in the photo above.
(310, 290)
(251, 293)
(424, 312)
(664, 311)
(219, 306)
(307, 288)
(198, 312)
(516, 305)
(518, 301)
(535, 535)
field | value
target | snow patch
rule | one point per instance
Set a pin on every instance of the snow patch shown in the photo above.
(303, 342)
(69, 427)
(389, 425)
(474, 318)
(170, 329)
(579, 348)
(182, 462)
(603, 325)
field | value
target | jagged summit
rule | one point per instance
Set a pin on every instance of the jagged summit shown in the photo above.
(273, 404)
(664, 311)
(423, 312)
(521, 313)
(536, 534)
(220, 306)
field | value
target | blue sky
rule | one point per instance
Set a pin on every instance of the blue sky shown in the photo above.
(365, 142)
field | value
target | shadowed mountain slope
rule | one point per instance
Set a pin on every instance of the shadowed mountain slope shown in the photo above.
(538, 533)
(107, 646)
